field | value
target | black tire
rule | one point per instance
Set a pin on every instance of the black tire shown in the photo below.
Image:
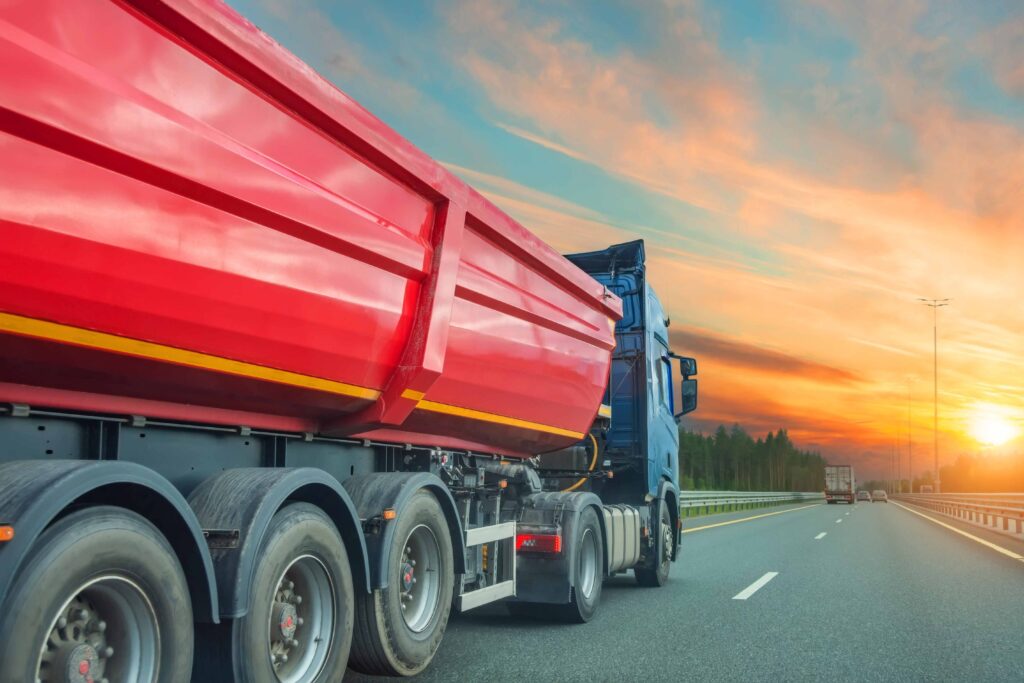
(655, 574)
(384, 642)
(102, 571)
(588, 572)
(301, 547)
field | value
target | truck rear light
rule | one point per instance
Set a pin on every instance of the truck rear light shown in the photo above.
(6, 533)
(538, 543)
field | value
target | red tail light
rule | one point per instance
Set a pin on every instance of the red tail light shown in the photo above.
(538, 543)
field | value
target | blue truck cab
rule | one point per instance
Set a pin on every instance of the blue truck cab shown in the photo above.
(649, 389)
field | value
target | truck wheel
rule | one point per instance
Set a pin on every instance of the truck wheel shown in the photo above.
(299, 625)
(588, 572)
(658, 574)
(399, 628)
(101, 598)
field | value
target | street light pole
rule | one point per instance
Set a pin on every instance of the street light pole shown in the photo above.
(910, 443)
(935, 304)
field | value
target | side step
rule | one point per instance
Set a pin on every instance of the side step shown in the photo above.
(504, 536)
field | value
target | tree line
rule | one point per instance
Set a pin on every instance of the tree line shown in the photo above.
(732, 460)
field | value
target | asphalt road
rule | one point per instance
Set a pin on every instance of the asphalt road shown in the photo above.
(884, 595)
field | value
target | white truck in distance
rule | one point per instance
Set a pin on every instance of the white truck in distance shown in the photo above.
(839, 484)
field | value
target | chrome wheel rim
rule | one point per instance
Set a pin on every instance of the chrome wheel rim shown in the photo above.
(588, 562)
(666, 544)
(106, 631)
(302, 621)
(419, 578)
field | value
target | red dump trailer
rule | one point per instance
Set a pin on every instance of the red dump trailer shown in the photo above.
(321, 275)
(273, 383)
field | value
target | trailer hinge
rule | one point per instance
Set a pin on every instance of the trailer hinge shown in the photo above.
(138, 420)
(20, 410)
(244, 431)
(221, 538)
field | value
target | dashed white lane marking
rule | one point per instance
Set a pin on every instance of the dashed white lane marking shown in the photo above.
(821, 536)
(847, 514)
(839, 521)
(754, 587)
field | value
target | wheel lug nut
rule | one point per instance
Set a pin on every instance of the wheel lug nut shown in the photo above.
(298, 599)
(412, 563)
(299, 621)
(100, 626)
(414, 579)
(109, 652)
(62, 622)
(293, 643)
(290, 585)
(80, 615)
(284, 658)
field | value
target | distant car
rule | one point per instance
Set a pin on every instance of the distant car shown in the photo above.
(864, 495)
(879, 495)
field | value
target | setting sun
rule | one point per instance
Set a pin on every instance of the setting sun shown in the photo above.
(990, 427)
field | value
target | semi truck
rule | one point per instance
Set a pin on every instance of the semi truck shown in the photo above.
(840, 484)
(278, 392)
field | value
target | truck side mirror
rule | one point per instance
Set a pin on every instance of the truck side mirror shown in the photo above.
(687, 366)
(689, 396)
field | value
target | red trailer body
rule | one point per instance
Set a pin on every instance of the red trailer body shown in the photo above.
(195, 226)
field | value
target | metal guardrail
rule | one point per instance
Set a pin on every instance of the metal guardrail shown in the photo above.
(1001, 512)
(695, 500)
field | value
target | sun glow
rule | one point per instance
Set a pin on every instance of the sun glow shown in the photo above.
(990, 426)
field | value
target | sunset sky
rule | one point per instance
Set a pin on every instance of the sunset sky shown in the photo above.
(802, 171)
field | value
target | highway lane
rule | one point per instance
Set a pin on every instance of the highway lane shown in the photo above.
(883, 595)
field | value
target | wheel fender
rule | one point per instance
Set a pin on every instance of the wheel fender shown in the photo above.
(550, 579)
(34, 493)
(373, 493)
(669, 492)
(246, 499)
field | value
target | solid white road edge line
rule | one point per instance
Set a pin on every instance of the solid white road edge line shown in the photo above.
(993, 546)
(746, 519)
(754, 587)
(821, 536)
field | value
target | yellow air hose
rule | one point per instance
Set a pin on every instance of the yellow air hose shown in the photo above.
(593, 464)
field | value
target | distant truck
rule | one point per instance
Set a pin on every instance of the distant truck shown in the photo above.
(839, 484)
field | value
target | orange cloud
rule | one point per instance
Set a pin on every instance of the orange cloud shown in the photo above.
(850, 242)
